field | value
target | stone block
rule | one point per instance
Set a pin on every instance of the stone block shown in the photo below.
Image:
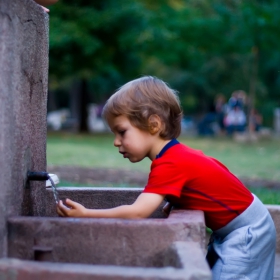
(191, 266)
(143, 242)
(274, 211)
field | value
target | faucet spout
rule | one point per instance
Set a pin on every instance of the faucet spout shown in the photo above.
(45, 176)
(37, 176)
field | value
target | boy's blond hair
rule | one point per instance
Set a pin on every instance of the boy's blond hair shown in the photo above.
(142, 98)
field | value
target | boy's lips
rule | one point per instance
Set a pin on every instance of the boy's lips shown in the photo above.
(123, 153)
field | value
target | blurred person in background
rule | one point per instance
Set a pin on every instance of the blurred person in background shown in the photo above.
(238, 98)
(235, 120)
(221, 108)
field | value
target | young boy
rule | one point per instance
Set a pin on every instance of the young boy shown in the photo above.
(145, 116)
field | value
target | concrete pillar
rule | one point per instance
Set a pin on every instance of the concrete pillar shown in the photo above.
(23, 99)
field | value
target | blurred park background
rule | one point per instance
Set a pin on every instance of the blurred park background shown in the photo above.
(210, 51)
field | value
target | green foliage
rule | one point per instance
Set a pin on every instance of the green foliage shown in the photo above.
(96, 41)
(212, 45)
(200, 47)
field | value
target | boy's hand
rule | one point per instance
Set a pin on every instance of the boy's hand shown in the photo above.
(70, 209)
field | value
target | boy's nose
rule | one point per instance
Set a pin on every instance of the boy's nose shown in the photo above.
(117, 142)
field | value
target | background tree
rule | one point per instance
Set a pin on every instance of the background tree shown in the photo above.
(201, 48)
(94, 48)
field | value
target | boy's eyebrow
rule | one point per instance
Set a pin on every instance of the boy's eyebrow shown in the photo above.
(115, 127)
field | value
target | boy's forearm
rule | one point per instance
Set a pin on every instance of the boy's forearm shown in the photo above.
(143, 207)
(124, 211)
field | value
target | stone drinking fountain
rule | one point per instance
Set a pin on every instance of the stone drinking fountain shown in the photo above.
(34, 242)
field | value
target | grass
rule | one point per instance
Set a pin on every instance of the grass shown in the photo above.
(255, 160)
(88, 151)
(267, 196)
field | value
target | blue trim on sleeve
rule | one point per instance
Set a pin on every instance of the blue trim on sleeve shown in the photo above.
(167, 146)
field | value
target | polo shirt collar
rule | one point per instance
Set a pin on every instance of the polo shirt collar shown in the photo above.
(167, 146)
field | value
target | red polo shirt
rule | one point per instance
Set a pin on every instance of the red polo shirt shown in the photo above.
(192, 180)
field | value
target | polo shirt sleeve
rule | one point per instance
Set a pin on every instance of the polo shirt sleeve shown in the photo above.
(166, 177)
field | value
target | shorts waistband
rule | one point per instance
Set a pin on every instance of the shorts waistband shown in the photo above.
(255, 211)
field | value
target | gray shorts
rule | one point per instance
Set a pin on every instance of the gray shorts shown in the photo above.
(245, 247)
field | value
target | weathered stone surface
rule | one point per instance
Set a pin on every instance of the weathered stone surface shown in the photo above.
(189, 254)
(165, 248)
(145, 243)
(23, 95)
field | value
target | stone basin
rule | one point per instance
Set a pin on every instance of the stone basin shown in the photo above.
(155, 248)
(101, 241)
(97, 198)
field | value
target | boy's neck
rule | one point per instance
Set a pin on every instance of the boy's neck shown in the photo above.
(158, 147)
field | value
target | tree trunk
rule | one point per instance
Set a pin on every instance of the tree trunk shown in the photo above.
(84, 100)
(52, 104)
(75, 104)
(252, 89)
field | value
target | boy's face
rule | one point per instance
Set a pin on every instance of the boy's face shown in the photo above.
(133, 143)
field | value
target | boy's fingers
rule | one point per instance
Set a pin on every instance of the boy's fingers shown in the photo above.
(60, 213)
(70, 203)
(63, 209)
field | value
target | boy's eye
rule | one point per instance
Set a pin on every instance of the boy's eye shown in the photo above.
(122, 132)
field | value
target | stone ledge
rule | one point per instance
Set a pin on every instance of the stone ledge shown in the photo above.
(171, 248)
(191, 257)
(104, 241)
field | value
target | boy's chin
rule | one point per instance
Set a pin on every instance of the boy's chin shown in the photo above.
(134, 160)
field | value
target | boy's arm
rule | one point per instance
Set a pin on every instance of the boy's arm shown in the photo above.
(143, 207)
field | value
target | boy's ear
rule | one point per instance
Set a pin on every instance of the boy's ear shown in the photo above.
(154, 124)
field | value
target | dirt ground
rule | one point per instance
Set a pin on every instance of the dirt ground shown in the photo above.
(98, 175)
